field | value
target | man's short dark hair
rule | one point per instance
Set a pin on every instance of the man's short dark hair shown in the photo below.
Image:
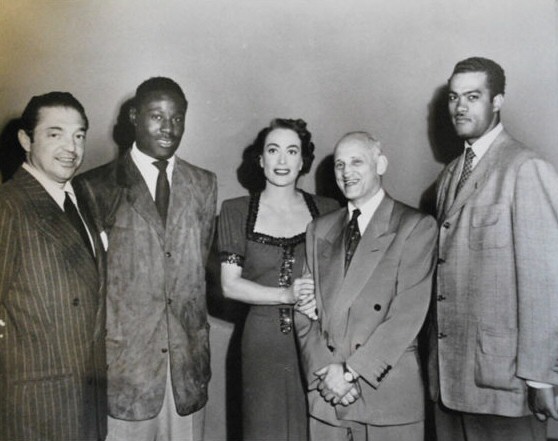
(30, 115)
(495, 75)
(158, 84)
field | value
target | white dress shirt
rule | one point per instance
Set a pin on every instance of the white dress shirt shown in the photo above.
(366, 211)
(58, 193)
(148, 171)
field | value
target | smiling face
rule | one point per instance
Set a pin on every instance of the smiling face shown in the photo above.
(281, 158)
(58, 142)
(159, 123)
(358, 169)
(473, 110)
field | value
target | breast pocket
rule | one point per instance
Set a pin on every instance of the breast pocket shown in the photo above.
(488, 227)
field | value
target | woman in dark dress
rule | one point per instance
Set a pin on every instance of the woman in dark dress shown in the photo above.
(261, 241)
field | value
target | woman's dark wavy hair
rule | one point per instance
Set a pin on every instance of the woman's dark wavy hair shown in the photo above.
(251, 175)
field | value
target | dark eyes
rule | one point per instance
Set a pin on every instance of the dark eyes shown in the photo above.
(176, 119)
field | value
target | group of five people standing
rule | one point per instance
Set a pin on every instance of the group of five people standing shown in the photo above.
(353, 284)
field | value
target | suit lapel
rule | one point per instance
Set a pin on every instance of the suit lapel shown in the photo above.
(478, 176)
(138, 196)
(369, 253)
(181, 196)
(448, 186)
(331, 258)
(54, 224)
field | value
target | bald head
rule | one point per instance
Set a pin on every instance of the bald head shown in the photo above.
(359, 164)
(363, 138)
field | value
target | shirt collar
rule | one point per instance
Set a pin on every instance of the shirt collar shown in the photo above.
(148, 171)
(53, 188)
(144, 161)
(367, 210)
(481, 145)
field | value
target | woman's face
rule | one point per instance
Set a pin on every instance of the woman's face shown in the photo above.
(281, 158)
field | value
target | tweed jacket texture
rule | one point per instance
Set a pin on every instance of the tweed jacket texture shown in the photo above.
(496, 318)
(52, 314)
(156, 287)
(371, 316)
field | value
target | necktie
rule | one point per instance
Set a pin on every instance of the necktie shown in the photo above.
(467, 169)
(75, 219)
(352, 237)
(162, 190)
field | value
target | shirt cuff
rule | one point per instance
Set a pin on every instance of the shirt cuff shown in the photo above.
(352, 371)
(538, 384)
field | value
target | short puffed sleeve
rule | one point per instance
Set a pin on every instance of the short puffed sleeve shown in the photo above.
(232, 231)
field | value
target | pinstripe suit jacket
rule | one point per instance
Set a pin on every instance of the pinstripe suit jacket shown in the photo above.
(52, 314)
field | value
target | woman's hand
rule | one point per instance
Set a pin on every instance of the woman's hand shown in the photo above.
(303, 289)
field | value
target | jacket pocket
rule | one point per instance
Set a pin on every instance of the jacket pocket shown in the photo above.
(487, 227)
(495, 359)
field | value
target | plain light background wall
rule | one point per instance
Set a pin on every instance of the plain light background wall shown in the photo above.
(358, 64)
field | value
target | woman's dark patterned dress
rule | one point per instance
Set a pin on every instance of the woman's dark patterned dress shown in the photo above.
(274, 402)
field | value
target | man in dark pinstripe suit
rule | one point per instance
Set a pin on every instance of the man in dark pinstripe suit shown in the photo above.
(51, 296)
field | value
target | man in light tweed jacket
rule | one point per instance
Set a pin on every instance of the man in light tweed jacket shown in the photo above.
(495, 333)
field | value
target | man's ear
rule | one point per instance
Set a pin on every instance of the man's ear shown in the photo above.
(381, 165)
(132, 114)
(24, 139)
(497, 102)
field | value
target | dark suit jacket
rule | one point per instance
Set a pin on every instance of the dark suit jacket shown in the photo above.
(497, 281)
(52, 321)
(370, 318)
(156, 296)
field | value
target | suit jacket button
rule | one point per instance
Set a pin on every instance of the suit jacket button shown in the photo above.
(168, 254)
(441, 335)
(441, 298)
(75, 302)
(377, 307)
(169, 301)
(357, 346)
(164, 350)
(446, 224)
(440, 260)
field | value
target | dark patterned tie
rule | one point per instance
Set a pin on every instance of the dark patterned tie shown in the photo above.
(467, 169)
(75, 219)
(162, 191)
(352, 237)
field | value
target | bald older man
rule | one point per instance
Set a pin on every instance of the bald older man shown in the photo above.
(371, 264)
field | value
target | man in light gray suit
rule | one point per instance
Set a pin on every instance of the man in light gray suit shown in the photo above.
(158, 213)
(494, 336)
(360, 356)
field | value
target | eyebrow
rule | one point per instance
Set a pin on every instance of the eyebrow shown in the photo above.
(277, 145)
(467, 92)
(82, 128)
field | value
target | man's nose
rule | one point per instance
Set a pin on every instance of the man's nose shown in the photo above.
(70, 143)
(462, 103)
(166, 125)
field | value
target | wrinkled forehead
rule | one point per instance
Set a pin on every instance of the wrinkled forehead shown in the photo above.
(356, 147)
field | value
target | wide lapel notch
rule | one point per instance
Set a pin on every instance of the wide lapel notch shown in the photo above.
(138, 196)
(373, 244)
